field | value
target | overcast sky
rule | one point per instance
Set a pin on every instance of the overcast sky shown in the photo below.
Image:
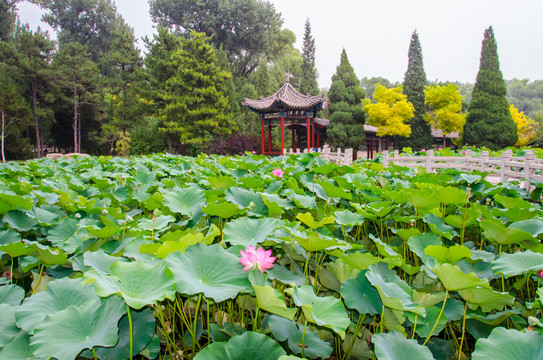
(376, 34)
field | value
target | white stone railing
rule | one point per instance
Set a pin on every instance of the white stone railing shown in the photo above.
(507, 166)
(336, 157)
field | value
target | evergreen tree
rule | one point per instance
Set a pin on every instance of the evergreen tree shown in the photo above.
(308, 83)
(413, 87)
(7, 19)
(489, 122)
(196, 107)
(347, 118)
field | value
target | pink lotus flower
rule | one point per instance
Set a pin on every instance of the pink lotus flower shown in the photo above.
(422, 150)
(256, 259)
(278, 172)
(253, 152)
(540, 273)
(440, 148)
(463, 152)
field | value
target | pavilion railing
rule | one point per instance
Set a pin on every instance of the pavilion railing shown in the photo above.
(507, 166)
(336, 157)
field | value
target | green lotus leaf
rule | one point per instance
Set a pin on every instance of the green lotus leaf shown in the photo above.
(380, 208)
(272, 301)
(9, 236)
(20, 221)
(450, 255)
(100, 261)
(210, 270)
(325, 311)
(247, 199)
(495, 230)
(300, 340)
(107, 231)
(182, 244)
(138, 283)
(157, 223)
(143, 329)
(308, 220)
(341, 271)
(8, 326)
(531, 226)
(438, 226)
(419, 243)
(14, 202)
(422, 199)
(486, 299)
(393, 346)
(47, 255)
(222, 209)
(44, 217)
(394, 292)
(360, 260)
(65, 334)
(334, 191)
(289, 357)
(221, 182)
(425, 325)
(360, 295)
(405, 234)
(18, 348)
(247, 346)
(275, 199)
(518, 215)
(518, 263)
(504, 344)
(247, 231)
(186, 201)
(11, 294)
(313, 242)
(286, 276)
(143, 176)
(66, 235)
(512, 202)
(303, 201)
(60, 294)
(454, 279)
(348, 218)
(450, 195)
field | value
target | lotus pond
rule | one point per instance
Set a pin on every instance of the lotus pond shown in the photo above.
(115, 258)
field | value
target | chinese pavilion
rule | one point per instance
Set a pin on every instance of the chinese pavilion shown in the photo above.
(288, 108)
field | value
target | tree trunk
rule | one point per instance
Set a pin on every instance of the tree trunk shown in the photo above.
(75, 126)
(170, 145)
(39, 152)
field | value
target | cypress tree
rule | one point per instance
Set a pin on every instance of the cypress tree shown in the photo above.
(346, 129)
(308, 83)
(413, 87)
(489, 122)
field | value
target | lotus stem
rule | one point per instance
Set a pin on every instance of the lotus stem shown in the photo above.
(414, 326)
(131, 330)
(196, 310)
(303, 338)
(94, 354)
(39, 279)
(463, 331)
(439, 317)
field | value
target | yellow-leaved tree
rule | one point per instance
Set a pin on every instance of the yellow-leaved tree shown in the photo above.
(526, 127)
(445, 104)
(389, 112)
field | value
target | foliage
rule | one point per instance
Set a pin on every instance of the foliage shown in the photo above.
(346, 129)
(247, 30)
(489, 122)
(390, 112)
(413, 86)
(526, 96)
(308, 83)
(196, 108)
(368, 85)
(527, 128)
(445, 103)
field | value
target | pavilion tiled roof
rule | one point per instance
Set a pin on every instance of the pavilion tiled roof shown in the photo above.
(286, 98)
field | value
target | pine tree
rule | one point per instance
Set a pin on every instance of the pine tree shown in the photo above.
(308, 84)
(489, 122)
(413, 87)
(346, 129)
(196, 107)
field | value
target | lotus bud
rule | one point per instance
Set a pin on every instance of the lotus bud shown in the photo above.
(104, 212)
(77, 215)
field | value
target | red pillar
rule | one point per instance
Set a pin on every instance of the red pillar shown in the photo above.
(282, 134)
(269, 138)
(293, 139)
(313, 132)
(262, 135)
(308, 133)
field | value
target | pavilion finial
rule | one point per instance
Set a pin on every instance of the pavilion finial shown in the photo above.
(287, 77)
